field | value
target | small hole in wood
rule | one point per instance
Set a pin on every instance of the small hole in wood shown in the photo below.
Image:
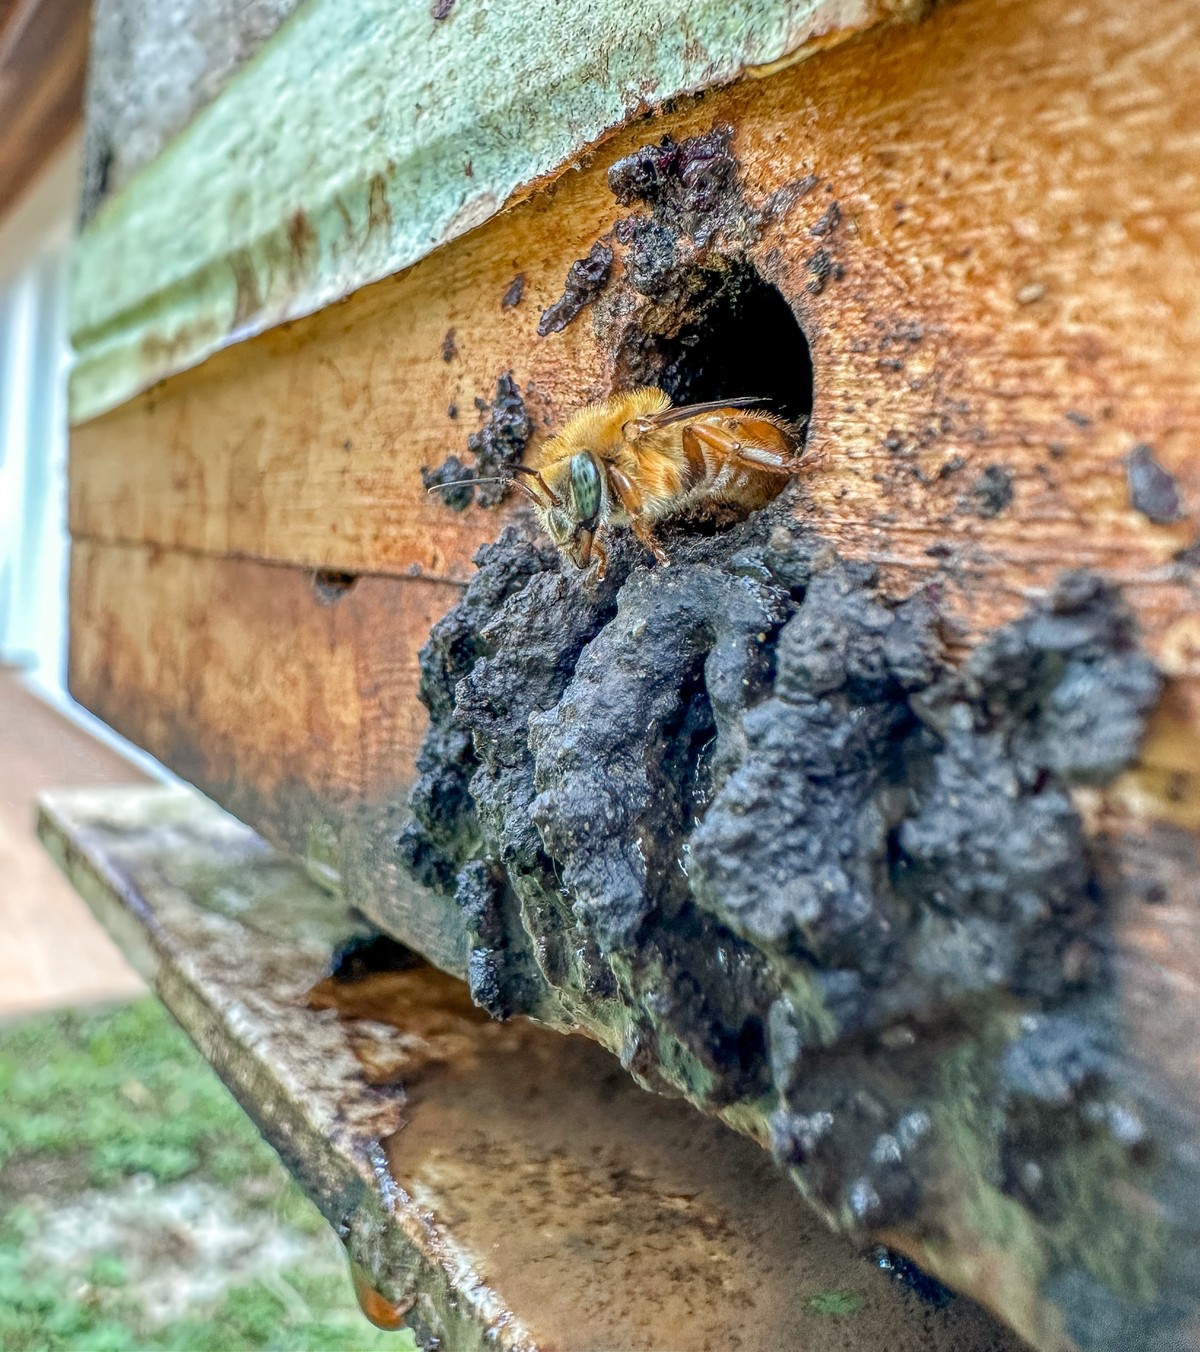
(330, 586)
(724, 333)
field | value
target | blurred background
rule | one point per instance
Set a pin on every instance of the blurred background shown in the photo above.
(138, 1207)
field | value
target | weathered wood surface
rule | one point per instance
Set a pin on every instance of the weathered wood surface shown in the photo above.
(1001, 272)
(313, 728)
(43, 56)
(364, 134)
(319, 695)
(510, 1188)
(1018, 233)
(154, 66)
(1020, 242)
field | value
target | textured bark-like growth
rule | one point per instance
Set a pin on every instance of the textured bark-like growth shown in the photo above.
(741, 817)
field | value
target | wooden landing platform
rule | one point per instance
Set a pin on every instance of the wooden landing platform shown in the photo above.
(503, 1186)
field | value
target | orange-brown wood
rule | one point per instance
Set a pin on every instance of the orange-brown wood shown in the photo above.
(1019, 245)
(1010, 284)
(1020, 234)
(290, 699)
(43, 59)
(1020, 239)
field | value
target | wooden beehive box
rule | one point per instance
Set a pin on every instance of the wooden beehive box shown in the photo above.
(967, 240)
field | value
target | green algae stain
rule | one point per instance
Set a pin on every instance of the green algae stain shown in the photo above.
(1095, 1212)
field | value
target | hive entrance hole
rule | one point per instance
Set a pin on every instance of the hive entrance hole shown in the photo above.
(723, 333)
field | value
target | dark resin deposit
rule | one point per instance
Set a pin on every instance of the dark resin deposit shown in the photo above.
(498, 445)
(741, 819)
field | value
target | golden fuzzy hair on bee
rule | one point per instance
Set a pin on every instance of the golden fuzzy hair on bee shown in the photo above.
(634, 459)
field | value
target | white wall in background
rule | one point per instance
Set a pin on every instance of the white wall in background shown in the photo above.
(34, 361)
(35, 239)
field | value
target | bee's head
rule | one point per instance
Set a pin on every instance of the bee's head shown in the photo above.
(572, 517)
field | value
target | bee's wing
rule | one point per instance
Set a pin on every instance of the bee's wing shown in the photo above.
(684, 411)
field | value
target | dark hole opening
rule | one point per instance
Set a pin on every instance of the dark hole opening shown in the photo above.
(330, 586)
(725, 334)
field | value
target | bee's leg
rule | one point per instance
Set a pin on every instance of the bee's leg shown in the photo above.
(729, 447)
(538, 490)
(644, 530)
(600, 554)
(531, 493)
(586, 540)
(627, 493)
(760, 457)
(693, 452)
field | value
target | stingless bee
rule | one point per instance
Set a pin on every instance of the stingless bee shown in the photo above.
(634, 460)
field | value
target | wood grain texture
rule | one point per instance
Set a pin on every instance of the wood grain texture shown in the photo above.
(287, 708)
(1020, 239)
(154, 67)
(288, 699)
(43, 59)
(365, 135)
(513, 1190)
(1011, 297)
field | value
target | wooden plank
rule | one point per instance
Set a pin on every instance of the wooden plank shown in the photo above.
(291, 703)
(295, 706)
(1014, 198)
(43, 59)
(364, 136)
(291, 681)
(190, 698)
(504, 1187)
(999, 268)
(978, 324)
(153, 68)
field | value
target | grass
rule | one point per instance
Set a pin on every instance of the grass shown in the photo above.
(141, 1212)
(835, 1303)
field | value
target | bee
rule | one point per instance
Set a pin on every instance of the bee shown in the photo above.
(635, 460)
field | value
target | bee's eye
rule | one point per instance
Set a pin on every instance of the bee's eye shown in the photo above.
(585, 488)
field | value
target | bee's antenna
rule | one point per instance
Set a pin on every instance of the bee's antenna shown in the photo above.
(462, 483)
(537, 492)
